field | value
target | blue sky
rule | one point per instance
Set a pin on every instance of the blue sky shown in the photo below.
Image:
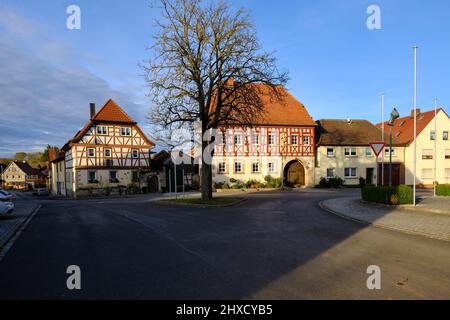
(338, 67)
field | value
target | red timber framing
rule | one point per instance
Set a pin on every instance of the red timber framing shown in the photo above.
(286, 141)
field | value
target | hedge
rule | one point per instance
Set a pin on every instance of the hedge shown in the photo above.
(443, 190)
(403, 193)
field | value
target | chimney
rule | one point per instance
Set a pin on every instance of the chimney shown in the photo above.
(92, 108)
(417, 112)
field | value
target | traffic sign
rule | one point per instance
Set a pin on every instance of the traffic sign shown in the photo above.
(377, 147)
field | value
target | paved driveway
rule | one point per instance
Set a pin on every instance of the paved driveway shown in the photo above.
(273, 246)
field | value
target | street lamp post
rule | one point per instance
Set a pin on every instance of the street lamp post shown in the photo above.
(394, 115)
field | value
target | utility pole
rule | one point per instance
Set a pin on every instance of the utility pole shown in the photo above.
(435, 145)
(382, 139)
(415, 122)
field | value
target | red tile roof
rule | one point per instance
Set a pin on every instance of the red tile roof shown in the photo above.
(403, 129)
(110, 112)
(279, 106)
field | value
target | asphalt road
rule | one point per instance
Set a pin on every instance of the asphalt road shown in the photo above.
(273, 246)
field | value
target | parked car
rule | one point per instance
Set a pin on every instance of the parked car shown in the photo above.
(40, 192)
(6, 207)
(5, 195)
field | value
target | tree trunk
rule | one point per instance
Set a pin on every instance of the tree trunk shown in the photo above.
(206, 175)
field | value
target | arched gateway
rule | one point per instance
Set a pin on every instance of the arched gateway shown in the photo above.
(294, 173)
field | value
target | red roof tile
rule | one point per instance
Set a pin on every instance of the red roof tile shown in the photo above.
(403, 129)
(112, 112)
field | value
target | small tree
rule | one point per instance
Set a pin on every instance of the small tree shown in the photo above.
(206, 64)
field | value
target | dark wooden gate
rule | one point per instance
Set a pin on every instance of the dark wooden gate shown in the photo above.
(295, 173)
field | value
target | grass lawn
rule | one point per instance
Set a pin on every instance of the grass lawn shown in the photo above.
(199, 201)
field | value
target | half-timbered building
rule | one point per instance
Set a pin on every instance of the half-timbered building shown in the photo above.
(110, 151)
(281, 144)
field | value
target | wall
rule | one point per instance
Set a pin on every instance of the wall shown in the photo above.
(424, 142)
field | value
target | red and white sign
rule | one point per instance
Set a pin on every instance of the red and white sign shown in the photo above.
(377, 147)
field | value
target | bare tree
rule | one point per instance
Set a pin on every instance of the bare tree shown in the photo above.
(208, 65)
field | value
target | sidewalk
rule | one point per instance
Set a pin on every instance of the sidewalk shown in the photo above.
(409, 220)
(10, 223)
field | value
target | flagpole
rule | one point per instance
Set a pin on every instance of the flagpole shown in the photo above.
(382, 138)
(435, 145)
(415, 122)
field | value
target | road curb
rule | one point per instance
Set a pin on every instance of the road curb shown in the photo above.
(20, 225)
(405, 231)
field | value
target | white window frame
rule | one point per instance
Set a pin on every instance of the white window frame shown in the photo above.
(240, 167)
(369, 152)
(238, 139)
(352, 152)
(333, 175)
(332, 155)
(222, 167)
(269, 167)
(351, 176)
(307, 140)
(386, 152)
(102, 130)
(427, 154)
(89, 152)
(427, 173)
(445, 135)
(133, 155)
(125, 131)
(432, 135)
(271, 139)
(294, 136)
(255, 139)
(110, 152)
(258, 167)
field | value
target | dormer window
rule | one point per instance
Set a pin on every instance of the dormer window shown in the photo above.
(102, 130)
(402, 124)
(125, 131)
(397, 134)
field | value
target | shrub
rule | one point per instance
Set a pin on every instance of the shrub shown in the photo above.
(251, 183)
(362, 181)
(226, 186)
(272, 182)
(443, 190)
(235, 186)
(218, 185)
(388, 195)
(233, 180)
(405, 194)
(334, 182)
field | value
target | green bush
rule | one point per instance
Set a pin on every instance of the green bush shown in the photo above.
(272, 182)
(405, 194)
(443, 190)
(334, 182)
(226, 186)
(383, 194)
(218, 185)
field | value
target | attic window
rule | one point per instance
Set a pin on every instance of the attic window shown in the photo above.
(398, 134)
(402, 124)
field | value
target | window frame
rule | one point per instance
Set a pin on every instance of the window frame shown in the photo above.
(110, 152)
(333, 155)
(219, 167)
(306, 142)
(296, 139)
(127, 131)
(89, 176)
(89, 152)
(350, 171)
(433, 135)
(258, 167)
(102, 132)
(274, 167)
(240, 167)
(350, 154)
(235, 140)
(133, 156)
(333, 171)
(445, 135)
(271, 139)
(427, 155)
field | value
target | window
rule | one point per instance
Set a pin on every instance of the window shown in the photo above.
(445, 135)
(271, 139)
(135, 176)
(256, 139)
(432, 135)
(102, 130)
(294, 140)
(427, 173)
(92, 176)
(125, 131)
(224, 138)
(402, 123)
(330, 152)
(427, 154)
(91, 152)
(447, 153)
(255, 167)
(350, 152)
(113, 176)
(350, 172)
(109, 163)
(134, 153)
(271, 167)
(237, 139)
(107, 152)
(330, 172)
(237, 167)
(222, 167)
(386, 152)
(368, 152)
(306, 140)
(447, 173)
